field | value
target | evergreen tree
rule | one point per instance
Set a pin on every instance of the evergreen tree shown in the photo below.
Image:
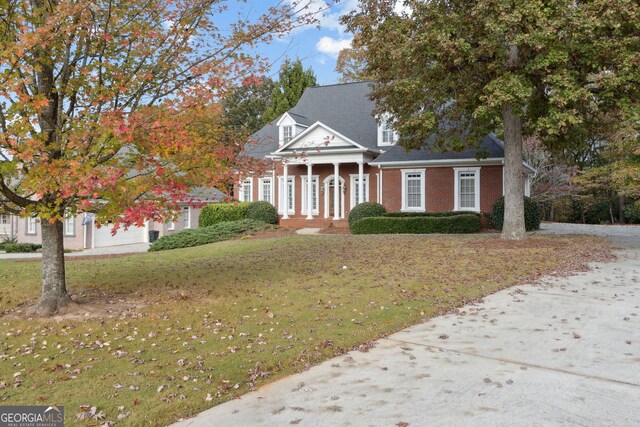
(293, 79)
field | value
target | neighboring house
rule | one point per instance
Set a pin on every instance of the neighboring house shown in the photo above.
(8, 226)
(333, 154)
(81, 232)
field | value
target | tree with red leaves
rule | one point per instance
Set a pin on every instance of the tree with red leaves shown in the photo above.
(97, 107)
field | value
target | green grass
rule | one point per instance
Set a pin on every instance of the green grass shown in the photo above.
(224, 318)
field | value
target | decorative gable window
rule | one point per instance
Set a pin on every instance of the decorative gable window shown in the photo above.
(287, 134)
(386, 135)
(413, 190)
(286, 129)
(467, 189)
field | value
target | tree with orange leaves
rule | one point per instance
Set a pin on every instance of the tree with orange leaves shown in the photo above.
(96, 102)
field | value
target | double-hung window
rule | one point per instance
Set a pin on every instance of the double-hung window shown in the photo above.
(314, 195)
(413, 190)
(287, 134)
(386, 134)
(70, 225)
(467, 189)
(186, 217)
(290, 192)
(265, 190)
(31, 225)
(4, 219)
(246, 190)
(355, 188)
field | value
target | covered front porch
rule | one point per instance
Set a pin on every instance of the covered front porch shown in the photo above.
(320, 192)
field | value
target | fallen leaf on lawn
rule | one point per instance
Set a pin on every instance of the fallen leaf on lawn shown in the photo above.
(160, 388)
(576, 335)
(295, 421)
(123, 415)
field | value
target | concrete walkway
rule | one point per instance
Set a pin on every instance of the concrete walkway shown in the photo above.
(110, 250)
(566, 350)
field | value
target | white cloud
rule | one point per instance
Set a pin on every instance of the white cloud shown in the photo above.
(331, 46)
(328, 16)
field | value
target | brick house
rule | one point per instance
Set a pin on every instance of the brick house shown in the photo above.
(331, 135)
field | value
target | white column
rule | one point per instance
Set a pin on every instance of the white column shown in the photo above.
(309, 191)
(360, 182)
(336, 191)
(285, 188)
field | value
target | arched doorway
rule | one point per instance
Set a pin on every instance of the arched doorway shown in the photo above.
(328, 188)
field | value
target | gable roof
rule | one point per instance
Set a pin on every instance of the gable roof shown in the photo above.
(347, 110)
(288, 147)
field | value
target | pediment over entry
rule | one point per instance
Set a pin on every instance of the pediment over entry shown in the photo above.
(319, 137)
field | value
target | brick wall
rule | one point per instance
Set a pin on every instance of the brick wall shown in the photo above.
(439, 186)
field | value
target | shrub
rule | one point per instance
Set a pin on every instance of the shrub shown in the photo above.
(6, 240)
(365, 210)
(205, 235)
(21, 247)
(262, 211)
(221, 212)
(532, 214)
(423, 214)
(461, 223)
(632, 212)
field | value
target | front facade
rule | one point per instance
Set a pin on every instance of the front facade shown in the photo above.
(331, 136)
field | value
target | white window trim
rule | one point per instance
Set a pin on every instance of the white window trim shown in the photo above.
(261, 182)
(186, 210)
(352, 185)
(31, 221)
(292, 211)
(422, 207)
(456, 190)
(171, 225)
(303, 197)
(4, 219)
(70, 220)
(383, 120)
(241, 192)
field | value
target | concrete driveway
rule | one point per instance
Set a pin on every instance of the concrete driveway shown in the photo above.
(563, 351)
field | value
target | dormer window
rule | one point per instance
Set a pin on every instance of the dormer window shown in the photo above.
(287, 134)
(386, 134)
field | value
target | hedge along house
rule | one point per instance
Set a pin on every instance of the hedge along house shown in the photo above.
(333, 154)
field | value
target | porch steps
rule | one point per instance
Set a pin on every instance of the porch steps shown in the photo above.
(312, 223)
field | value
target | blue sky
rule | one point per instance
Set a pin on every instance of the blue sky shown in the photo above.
(317, 47)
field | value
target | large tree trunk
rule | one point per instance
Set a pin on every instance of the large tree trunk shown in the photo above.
(513, 227)
(54, 288)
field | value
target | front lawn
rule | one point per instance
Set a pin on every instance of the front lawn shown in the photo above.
(184, 330)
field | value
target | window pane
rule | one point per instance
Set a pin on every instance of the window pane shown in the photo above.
(467, 187)
(414, 190)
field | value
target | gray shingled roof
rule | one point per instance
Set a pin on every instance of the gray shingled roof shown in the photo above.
(490, 147)
(347, 109)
